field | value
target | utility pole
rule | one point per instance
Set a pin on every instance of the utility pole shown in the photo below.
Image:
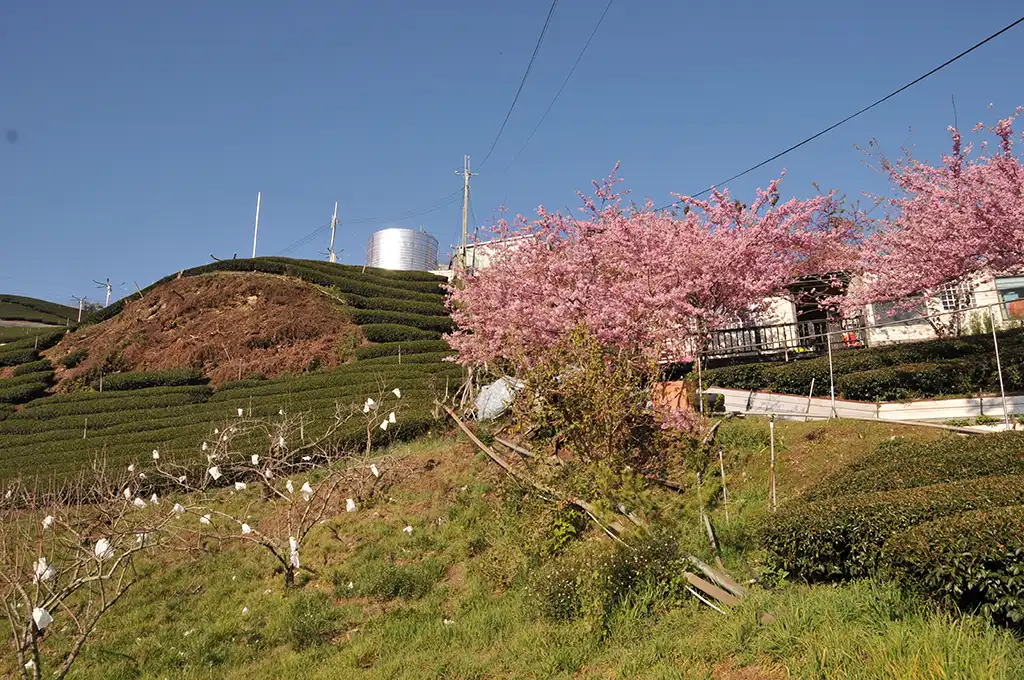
(466, 174)
(334, 224)
(256, 231)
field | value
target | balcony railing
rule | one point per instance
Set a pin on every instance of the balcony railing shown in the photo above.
(785, 339)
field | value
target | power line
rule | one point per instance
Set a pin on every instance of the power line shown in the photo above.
(564, 83)
(852, 116)
(522, 82)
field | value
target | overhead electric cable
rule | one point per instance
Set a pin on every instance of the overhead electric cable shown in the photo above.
(536, 49)
(564, 83)
(854, 115)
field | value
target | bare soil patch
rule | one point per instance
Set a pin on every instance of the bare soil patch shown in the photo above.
(229, 325)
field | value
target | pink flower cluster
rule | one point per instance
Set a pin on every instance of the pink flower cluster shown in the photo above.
(639, 278)
(947, 222)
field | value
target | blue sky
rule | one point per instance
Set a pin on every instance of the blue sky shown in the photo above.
(144, 130)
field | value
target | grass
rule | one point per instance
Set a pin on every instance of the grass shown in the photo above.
(469, 562)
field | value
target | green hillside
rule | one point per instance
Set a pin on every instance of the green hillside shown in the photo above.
(401, 313)
(17, 308)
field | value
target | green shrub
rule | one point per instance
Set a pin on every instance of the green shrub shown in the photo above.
(72, 359)
(741, 377)
(977, 369)
(900, 464)
(589, 579)
(139, 380)
(44, 376)
(393, 332)
(23, 393)
(32, 367)
(912, 381)
(6, 410)
(424, 358)
(972, 563)
(440, 324)
(17, 356)
(411, 306)
(409, 347)
(841, 538)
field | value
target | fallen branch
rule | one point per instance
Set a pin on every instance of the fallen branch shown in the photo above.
(527, 481)
(518, 449)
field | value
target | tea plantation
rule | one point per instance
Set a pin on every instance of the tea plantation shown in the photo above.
(56, 435)
(953, 367)
(18, 308)
(944, 518)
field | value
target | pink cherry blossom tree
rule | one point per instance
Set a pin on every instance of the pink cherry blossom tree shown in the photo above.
(644, 279)
(946, 223)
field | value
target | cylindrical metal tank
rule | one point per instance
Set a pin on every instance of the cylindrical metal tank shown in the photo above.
(404, 249)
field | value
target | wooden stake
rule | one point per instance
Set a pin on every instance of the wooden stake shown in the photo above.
(772, 499)
(725, 491)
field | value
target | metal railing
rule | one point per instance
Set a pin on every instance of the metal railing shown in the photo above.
(781, 339)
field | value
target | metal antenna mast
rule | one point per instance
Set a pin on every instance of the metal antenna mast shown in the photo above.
(104, 285)
(81, 304)
(466, 174)
(256, 231)
(334, 224)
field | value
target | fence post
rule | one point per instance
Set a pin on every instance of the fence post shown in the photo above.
(810, 394)
(700, 385)
(772, 498)
(725, 492)
(831, 375)
(999, 368)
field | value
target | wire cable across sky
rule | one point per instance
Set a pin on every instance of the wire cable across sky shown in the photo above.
(522, 82)
(564, 83)
(854, 115)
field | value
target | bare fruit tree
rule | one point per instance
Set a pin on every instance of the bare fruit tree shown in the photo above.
(64, 563)
(284, 462)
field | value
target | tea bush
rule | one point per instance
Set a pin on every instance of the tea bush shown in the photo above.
(138, 380)
(13, 357)
(393, 332)
(840, 538)
(393, 348)
(972, 563)
(900, 464)
(363, 317)
(32, 367)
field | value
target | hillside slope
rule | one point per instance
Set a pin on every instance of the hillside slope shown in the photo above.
(18, 308)
(225, 325)
(300, 321)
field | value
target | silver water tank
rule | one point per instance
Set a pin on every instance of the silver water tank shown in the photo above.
(405, 249)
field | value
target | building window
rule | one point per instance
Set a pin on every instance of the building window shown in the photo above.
(894, 311)
(956, 296)
(1011, 295)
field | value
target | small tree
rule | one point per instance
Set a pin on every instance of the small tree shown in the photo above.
(298, 473)
(68, 558)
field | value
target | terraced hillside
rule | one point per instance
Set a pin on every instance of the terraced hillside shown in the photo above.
(386, 331)
(18, 308)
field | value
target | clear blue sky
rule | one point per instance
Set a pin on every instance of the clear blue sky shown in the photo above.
(144, 130)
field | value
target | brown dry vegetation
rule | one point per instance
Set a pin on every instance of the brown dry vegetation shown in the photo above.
(227, 324)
